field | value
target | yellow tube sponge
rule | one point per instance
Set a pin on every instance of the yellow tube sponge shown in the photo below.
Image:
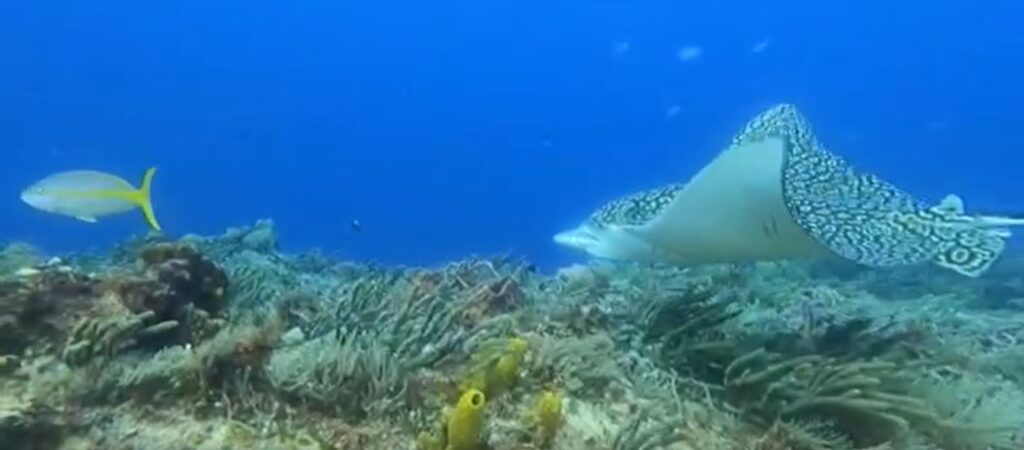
(506, 370)
(547, 418)
(466, 423)
(497, 368)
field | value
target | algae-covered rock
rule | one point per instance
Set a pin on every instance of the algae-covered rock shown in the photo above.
(187, 277)
(39, 307)
(28, 425)
(16, 256)
(49, 305)
(177, 284)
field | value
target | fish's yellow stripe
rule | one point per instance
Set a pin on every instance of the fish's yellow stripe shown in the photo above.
(139, 197)
(104, 194)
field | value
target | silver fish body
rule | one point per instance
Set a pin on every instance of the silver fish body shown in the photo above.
(88, 195)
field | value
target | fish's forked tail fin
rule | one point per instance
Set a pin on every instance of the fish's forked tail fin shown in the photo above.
(143, 199)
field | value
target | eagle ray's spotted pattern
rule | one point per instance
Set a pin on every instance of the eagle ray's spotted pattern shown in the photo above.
(861, 217)
(857, 216)
(635, 209)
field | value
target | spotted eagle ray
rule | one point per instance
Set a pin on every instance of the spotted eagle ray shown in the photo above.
(776, 193)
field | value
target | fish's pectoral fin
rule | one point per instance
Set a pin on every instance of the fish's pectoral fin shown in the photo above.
(88, 219)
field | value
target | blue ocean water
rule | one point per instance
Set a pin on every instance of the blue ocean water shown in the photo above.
(456, 128)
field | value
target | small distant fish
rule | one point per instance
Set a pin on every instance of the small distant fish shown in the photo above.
(760, 46)
(356, 225)
(689, 53)
(88, 195)
(672, 111)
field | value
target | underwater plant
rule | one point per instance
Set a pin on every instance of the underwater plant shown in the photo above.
(584, 366)
(258, 280)
(355, 375)
(103, 337)
(686, 323)
(861, 398)
(971, 413)
(823, 385)
(646, 433)
(382, 329)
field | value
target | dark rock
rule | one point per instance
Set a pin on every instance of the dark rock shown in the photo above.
(38, 309)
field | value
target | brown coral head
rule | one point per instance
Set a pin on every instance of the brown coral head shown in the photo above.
(174, 277)
(165, 251)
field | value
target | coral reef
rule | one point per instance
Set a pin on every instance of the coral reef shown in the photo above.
(29, 423)
(39, 306)
(226, 342)
(17, 256)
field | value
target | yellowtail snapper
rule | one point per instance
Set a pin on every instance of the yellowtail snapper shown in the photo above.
(88, 195)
